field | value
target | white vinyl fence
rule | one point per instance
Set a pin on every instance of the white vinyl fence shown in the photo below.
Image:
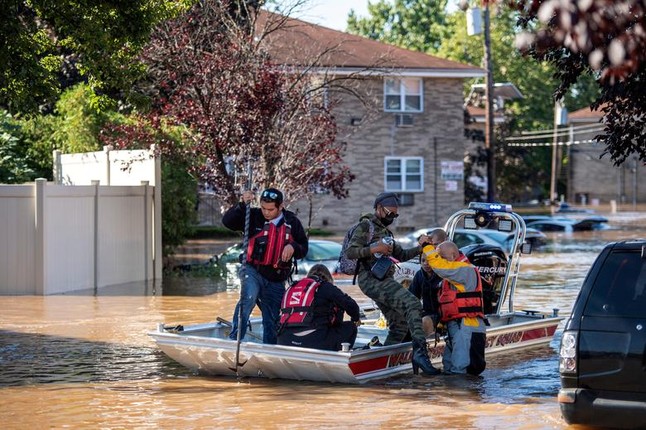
(88, 234)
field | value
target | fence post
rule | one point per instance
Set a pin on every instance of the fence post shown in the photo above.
(39, 224)
(108, 166)
(157, 217)
(95, 184)
(147, 243)
(58, 167)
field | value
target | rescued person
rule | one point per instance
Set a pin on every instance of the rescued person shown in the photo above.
(461, 309)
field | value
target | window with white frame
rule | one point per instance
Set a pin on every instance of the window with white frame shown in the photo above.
(403, 95)
(404, 174)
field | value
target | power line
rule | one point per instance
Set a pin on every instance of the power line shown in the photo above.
(560, 133)
(568, 143)
(575, 128)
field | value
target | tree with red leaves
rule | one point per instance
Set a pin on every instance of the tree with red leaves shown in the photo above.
(604, 38)
(209, 74)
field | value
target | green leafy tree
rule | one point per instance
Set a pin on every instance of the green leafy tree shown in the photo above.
(25, 148)
(14, 167)
(411, 24)
(49, 45)
(80, 118)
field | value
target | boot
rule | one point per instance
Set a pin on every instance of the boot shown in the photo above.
(421, 360)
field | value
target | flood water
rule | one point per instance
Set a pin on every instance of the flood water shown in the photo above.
(85, 361)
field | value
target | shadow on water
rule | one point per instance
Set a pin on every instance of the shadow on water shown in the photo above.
(30, 359)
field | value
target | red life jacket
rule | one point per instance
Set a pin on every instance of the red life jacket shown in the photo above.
(266, 247)
(296, 307)
(455, 304)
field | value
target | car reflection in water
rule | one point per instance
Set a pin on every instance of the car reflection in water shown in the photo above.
(320, 252)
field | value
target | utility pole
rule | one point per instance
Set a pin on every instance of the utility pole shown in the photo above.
(489, 136)
(473, 27)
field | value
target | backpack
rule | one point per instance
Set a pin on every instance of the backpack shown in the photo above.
(347, 265)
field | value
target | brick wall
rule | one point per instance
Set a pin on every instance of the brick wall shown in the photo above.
(436, 135)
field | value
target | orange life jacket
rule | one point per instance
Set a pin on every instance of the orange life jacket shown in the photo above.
(455, 304)
(266, 247)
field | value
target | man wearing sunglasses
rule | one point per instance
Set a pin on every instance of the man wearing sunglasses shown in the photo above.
(277, 238)
(402, 310)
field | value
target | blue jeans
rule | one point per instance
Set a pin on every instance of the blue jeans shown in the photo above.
(268, 294)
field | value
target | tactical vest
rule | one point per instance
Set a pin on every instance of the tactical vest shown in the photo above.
(266, 247)
(455, 304)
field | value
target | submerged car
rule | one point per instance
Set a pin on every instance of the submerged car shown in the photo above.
(319, 252)
(465, 237)
(602, 361)
(568, 225)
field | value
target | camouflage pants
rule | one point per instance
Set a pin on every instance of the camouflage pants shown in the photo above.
(402, 310)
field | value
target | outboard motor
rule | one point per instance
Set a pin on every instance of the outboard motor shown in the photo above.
(491, 261)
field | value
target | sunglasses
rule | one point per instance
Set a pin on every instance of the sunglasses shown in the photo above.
(269, 195)
(390, 214)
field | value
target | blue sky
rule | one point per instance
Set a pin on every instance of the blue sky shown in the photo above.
(334, 13)
(331, 13)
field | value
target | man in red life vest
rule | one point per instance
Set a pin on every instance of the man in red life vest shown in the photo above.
(276, 239)
(312, 313)
(461, 309)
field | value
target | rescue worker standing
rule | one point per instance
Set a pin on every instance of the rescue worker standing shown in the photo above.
(461, 309)
(312, 313)
(402, 310)
(277, 238)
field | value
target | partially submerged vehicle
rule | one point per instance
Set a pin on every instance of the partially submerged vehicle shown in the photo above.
(206, 348)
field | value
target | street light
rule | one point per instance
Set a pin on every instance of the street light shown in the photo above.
(474, 28)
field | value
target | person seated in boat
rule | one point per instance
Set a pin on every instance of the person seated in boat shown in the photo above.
(426, 284)
(277, 238)
(461, 309)
(312, 313)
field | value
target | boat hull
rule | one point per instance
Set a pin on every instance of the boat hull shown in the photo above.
(206, 349)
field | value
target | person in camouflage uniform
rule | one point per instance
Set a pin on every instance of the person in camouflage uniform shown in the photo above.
(402, 310)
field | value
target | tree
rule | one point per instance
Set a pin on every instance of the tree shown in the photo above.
(212, 75)
(604, 39)
(53, 44)
(411, 24)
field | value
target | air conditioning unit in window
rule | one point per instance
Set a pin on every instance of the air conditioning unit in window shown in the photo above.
(404, 120)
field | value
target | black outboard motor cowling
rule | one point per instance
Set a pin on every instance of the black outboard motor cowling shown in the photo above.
(491, 261)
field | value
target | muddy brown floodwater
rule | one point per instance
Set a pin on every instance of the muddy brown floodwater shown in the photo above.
(85, 361)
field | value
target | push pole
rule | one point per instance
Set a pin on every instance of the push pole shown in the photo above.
(243, 270)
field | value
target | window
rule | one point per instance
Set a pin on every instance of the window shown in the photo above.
(619, 287)
(403, 95)
(404, 174)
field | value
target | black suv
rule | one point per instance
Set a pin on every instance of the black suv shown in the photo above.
(603, 349)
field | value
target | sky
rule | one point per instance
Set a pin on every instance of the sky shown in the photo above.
(331, 13)
(334, 13)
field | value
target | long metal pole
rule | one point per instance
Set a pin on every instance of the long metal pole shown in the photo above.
(553, 173)
(489, 137)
